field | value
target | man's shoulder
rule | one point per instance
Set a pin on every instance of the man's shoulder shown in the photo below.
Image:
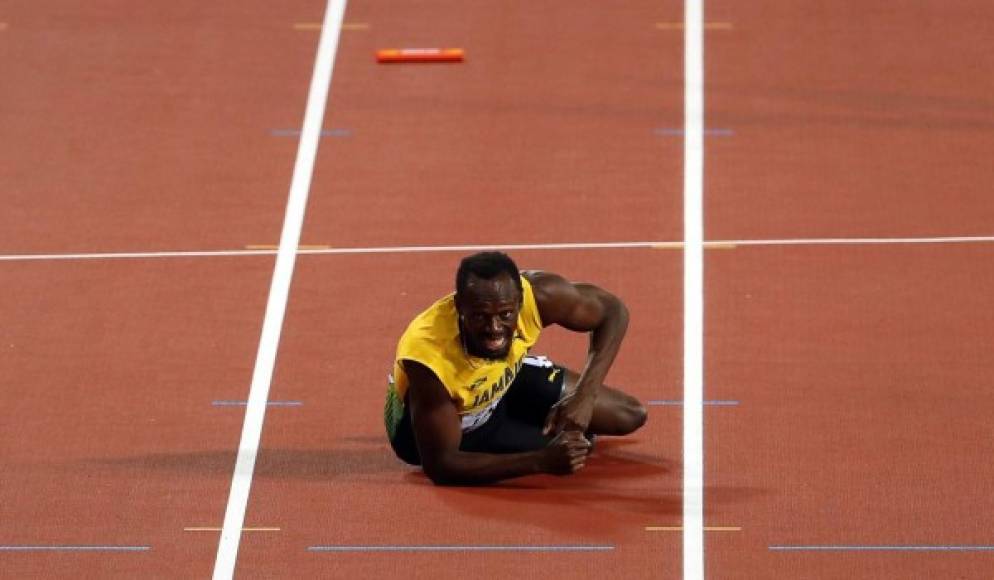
(545, 285)
(542, 280)
(432, 329)
(533, 275)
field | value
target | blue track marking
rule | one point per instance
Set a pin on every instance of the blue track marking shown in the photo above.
(857, 548)
(268, 403)
(464, 548)
(75, 548)
(675, 402)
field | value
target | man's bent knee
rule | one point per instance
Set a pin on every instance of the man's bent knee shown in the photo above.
(633, 415)
(627, 415)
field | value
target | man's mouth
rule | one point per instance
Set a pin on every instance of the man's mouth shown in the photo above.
(495, 343)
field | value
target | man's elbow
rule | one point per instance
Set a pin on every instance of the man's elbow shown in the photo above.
(623, 313)
(441, 478)
(617, 311)
(440, 472)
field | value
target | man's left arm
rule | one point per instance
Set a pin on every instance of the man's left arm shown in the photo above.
(581, 307)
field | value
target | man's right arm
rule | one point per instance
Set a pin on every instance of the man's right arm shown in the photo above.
(438, 432)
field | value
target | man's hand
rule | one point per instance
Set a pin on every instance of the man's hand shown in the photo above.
(571, 413)
(565, 454)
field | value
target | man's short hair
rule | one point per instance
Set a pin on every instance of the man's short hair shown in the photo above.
(486, 265)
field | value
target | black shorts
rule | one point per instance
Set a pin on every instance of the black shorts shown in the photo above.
(517, 422)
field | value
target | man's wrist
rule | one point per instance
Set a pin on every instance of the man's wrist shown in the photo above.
(586, 390)
(537, 461)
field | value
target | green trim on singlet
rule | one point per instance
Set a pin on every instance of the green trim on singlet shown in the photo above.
(393, 410)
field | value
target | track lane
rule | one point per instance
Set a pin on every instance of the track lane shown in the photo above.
(855, 119)
(551, 117)
(148, 129)
(863, 418)
(854, 365)
(107, 432)
(326, 471)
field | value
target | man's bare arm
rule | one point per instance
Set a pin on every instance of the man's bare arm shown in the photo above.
(581, 308)
(438, 433)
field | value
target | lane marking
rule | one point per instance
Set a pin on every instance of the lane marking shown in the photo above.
(75, 548)
(274, 247)
(680, 529)
(133, 255)
(707, 246)
(675, 402)
(317, 26)
(268, 403)
(866, 241)
(857, 548)
(279, 292)
(705, 26)
(660, 245)
(693, 292)
(216, 529)
(324, 132)
(463, 548)
(676, 132)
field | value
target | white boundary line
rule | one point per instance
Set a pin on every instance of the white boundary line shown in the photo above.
(507, 247)
(866, 241)
(693, 293)
(241, 483)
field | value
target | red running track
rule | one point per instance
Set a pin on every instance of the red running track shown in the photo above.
(860, 372)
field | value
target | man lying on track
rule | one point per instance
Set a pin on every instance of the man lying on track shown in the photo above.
(468, 403)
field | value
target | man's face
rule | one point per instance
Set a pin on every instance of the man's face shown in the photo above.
(488, 311)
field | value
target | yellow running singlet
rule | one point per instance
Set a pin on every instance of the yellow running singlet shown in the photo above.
(475, 385)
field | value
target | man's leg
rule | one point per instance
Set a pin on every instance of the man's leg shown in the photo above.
(615, 412)
(520, 416)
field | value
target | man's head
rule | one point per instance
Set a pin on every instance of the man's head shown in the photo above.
(488, 298)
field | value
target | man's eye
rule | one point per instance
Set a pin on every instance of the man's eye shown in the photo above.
(507, 315)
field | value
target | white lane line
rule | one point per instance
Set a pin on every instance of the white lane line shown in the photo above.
(717, 244)
(241, 483)
(693, 293)
(866, 241)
